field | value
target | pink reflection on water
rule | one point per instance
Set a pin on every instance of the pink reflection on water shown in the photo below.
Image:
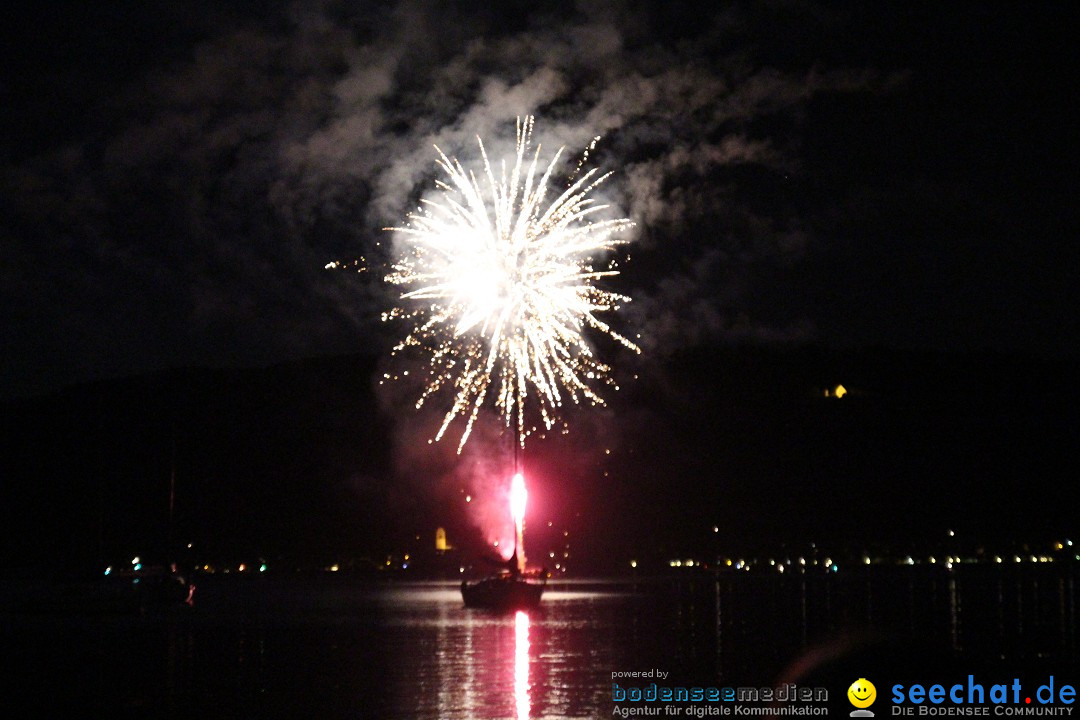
(521, 664)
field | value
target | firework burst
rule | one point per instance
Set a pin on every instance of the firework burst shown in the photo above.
(499, 284)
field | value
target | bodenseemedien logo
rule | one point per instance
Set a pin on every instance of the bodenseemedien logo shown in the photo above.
(862, 694)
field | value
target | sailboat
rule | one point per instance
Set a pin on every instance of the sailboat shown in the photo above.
(146, 586)
(143, 586)
(505, 591)
(514, 587)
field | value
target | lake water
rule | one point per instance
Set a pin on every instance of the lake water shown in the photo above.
(334, 646)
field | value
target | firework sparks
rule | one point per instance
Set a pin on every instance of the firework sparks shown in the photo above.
(500, 287)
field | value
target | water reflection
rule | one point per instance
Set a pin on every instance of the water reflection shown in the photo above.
(355, 650)
(976, 614)
(521, 664)
(545, 663)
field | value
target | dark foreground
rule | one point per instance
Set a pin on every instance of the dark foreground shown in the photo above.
(332, 646)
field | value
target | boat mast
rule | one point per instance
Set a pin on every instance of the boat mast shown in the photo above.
(172, 491)
(170, 547)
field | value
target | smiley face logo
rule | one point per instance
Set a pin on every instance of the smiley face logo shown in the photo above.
(862, 693)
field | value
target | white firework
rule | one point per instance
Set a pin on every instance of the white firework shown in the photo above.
(500, 287)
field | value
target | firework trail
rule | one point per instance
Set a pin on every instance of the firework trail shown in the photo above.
(499, 284)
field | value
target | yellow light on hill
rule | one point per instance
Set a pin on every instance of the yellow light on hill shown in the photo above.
(440, 541)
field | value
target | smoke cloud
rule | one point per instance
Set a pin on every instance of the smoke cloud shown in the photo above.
(189, 216)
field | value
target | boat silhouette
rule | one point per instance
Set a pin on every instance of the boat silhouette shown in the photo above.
(508, 589)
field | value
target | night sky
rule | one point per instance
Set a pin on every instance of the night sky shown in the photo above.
(871, 177)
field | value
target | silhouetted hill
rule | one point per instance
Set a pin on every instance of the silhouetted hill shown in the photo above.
(297, 460)
(919, 443)
(261, 459)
